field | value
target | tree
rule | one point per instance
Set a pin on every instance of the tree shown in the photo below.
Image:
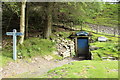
(26, 21)
(22, 21)
(11, 11)
(66, 13)
(48, 23)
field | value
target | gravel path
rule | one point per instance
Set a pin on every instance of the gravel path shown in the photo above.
(37, 67)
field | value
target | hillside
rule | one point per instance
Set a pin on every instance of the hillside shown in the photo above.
(108, 15)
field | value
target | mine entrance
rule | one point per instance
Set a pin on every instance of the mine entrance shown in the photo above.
(83, 48)
(81, 45)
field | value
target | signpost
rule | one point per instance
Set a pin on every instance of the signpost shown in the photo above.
(14, 34)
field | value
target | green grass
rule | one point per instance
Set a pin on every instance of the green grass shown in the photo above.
(85, 69)
(6, 55)
(108, 16)
(109, 48)
(4, 60)
(104, 21)
(36, 46)
(31, 47)
(64, 34)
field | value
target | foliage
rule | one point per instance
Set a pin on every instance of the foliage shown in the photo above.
(11, 14)
(107, 15)
(36, 46)
(13, 7)
(85, 69)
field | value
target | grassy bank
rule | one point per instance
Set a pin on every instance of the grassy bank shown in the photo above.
(106, 49)
(108, 16)
(85, 69)
(36, 46)
(31, 47)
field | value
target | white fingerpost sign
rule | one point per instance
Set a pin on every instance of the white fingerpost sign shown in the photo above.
(14, 34)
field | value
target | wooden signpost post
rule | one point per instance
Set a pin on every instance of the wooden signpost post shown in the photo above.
(14, 34)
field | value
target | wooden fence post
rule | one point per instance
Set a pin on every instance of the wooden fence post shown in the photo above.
(76, 52)
(114, 31)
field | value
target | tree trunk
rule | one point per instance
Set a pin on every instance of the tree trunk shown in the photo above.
(27, 17)
(22, 21)
(81, 27)
(48, 23)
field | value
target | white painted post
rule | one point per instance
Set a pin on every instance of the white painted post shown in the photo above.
(14, 34)
(14, 44)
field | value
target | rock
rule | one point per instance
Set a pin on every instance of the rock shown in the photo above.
(48, 57)
(62, 43)
(57, 35)
(93, 48)
(65, 47)
(102, 38)
(104, 57)
(111, 58)
(53, 40)
(35, 59)
(55, 52)
(1, 69)
(58, 40)
(0, 47)
(66, 54)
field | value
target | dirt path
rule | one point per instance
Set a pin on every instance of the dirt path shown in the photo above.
(37, 67)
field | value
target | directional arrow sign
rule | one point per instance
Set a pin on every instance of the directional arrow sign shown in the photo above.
(19, 33)
(9, 33)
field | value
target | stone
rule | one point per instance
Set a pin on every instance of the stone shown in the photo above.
(55, 52)
(102, 38)
(62, 43)
(48, 57)
(111, 58)
(0, 47)
(35, 59)
(65, 47)
(93, 48)
(104, 57)
(66, 54)
(57, 35)
(58, 40)
(1, 69)
(53, 40)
